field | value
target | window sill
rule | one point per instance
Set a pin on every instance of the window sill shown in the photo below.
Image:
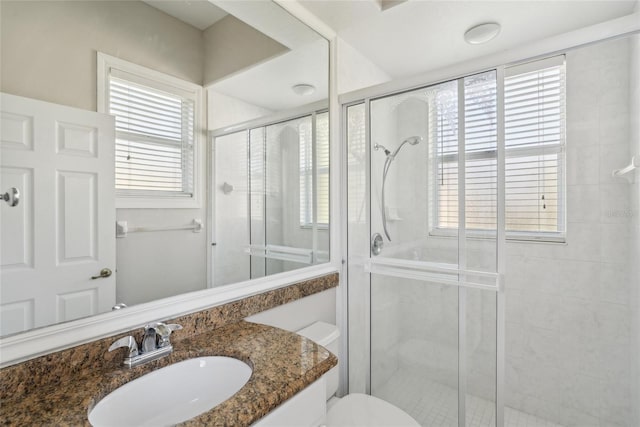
(519, 237)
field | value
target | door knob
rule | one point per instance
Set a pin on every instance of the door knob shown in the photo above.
(105, 272)
(12, 197)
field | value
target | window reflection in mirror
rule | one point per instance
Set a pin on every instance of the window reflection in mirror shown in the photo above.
(261, 187)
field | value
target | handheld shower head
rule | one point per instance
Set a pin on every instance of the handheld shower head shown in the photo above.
(412, 140)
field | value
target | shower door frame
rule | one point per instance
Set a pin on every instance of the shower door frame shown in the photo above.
(246, 127)
(420, 270)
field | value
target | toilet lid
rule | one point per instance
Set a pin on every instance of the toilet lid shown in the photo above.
(364, 410)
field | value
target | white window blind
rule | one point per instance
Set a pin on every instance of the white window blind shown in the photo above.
(480, 146)
(321, 159)
(534, 140)
(155, 133)
(322, 167)
(306, 173)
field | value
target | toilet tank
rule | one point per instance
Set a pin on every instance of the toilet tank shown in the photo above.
(326, 335)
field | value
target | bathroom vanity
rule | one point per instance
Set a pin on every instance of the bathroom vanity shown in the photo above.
(62, 388)
(283, 364)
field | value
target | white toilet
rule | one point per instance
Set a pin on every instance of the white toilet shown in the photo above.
(354, 409)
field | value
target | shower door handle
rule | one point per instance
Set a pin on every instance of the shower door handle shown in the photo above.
(377, 243)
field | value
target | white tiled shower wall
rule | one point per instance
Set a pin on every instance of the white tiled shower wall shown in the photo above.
(571, 308)
(568, 347)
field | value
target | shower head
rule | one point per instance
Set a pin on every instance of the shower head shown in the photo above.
(412, 140)
(377, 147)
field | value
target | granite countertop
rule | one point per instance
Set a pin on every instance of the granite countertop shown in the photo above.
(283, 364)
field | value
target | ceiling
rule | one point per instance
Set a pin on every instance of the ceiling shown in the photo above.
(417, 36)
(406, 39)
(269, 84)
(266, 84)
(198, 13)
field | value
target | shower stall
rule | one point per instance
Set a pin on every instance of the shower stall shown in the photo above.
(270, 187)
(492, 230)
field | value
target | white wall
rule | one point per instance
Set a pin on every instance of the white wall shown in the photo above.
(224, 110)
(355, 71)
(320, 307)
(568, 309)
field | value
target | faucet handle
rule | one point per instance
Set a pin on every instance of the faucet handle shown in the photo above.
(129, 342)
(164, 331)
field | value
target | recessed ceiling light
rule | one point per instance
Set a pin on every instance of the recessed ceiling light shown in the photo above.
(303, 89)
(482, 33)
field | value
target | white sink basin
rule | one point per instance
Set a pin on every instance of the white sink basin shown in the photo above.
(173, 394)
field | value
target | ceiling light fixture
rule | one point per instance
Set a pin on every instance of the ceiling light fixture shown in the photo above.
(482, 33)
(303, 89)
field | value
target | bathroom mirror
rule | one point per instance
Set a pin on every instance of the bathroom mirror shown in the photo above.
(260, 158)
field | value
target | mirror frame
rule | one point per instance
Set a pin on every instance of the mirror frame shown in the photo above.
(37, 342)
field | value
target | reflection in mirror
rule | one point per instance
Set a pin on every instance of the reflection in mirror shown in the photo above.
(272, 194)
(171, 72)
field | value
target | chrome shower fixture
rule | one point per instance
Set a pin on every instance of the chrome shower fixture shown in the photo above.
(377, 147)
(412, 140)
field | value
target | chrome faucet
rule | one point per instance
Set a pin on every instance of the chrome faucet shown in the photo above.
(154, 345)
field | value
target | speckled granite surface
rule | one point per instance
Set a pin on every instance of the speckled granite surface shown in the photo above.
(283, 364)
(59, 388)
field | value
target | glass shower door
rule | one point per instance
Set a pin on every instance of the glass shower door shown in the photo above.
(414, 323)
(432, 281)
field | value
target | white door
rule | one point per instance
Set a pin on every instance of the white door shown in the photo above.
(61, 233)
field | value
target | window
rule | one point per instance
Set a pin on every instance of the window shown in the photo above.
(534, 149)
(156, 135)
(321, 159)
(480, 145)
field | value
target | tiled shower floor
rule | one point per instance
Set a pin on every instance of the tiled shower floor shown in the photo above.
(435, 405)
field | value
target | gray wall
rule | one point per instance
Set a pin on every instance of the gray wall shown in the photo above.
(49, 47)
(223, 56)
